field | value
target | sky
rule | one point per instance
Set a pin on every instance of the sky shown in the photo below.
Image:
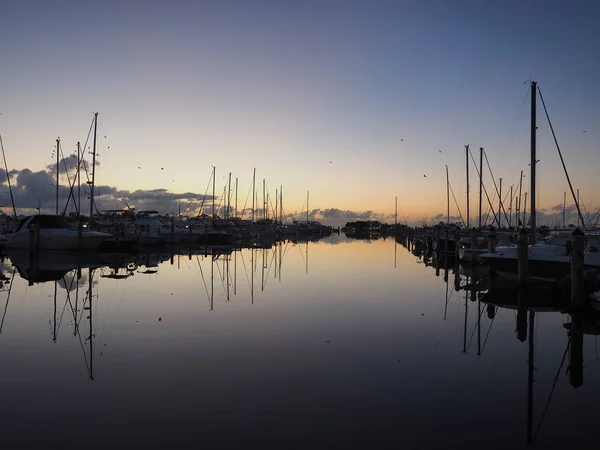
(358, 102)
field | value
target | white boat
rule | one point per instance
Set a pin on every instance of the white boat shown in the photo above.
(549, 260)
(54, 234)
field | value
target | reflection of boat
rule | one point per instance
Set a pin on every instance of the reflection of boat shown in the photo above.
(50, 265)
(54, 234)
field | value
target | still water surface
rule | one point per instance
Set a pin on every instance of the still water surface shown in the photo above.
(331, 344)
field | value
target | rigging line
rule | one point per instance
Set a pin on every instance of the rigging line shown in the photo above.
(246, 201)
(511, 134)
(204, 198)
(7, 299)
(591, 362)
(487, 334)
(403, 216)
(302, 253)
(474, 328)
(202, 274)
(495, 186)
(269, 268)
(221, 277)
(551, 391)
(60, 150)
(85, 146)
(483, 185)
(245, 269)
(8, 179)
(456, 203)
(68, 300)
(561, 158)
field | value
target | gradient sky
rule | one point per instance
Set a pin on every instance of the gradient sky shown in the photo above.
(378, 88)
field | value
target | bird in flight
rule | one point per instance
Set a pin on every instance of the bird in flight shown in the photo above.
(425, 175)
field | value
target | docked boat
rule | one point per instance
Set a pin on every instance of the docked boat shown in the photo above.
(53, 232)
(549, 260)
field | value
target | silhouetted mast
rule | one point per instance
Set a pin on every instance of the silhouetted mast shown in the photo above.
(57, 170)
(480, 181)
(533, 161)
(468, 187)
(93, 169)
(253, 192)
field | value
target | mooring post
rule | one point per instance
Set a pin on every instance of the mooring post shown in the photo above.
(492, 239)
(523, 257)
(473, 245)
(576, 350)
(456, 243)
(522, 315)
(446, 238)
(577, 256)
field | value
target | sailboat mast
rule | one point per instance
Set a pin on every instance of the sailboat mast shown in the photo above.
(276, 205)
(447, 197)
(280, 206)
(264, 200)
(468, 187)
(79, 180)
(253, 192)
(236, 196)
(396, 214)
(213, 194)
(519, 210)
(93, 169)
(533, 161)
(500, 205)
(307, 194)
(578, 222)
(480, 181)
(510, 208)
(57, 170)
(564, 207)
(229, 196)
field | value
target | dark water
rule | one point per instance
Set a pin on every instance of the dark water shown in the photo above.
(330, 344)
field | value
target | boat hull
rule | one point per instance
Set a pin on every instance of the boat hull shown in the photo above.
(59, 239)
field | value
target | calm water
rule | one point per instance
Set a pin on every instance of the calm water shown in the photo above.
(331, 344)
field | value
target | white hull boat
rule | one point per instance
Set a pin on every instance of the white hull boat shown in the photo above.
(54, 234)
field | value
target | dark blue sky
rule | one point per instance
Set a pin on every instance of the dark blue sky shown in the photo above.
(377, 87)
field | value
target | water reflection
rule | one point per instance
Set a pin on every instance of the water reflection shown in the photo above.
(497, 295)
(378, 338)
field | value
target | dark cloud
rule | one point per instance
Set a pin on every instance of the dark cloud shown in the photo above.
(335, 213)
(32, 189)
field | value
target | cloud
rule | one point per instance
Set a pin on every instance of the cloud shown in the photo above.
(38, 189)
(335, 213)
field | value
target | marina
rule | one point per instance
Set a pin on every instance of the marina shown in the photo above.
(299, 225)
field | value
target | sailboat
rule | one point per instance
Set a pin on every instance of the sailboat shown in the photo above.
(548, 260)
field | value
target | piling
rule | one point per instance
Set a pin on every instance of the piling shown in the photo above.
(577, 257)
(576, 350)
(473, 245)
(523, 257)
(456, 243)
(446, 238)
(522, 315)
(492, 239)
